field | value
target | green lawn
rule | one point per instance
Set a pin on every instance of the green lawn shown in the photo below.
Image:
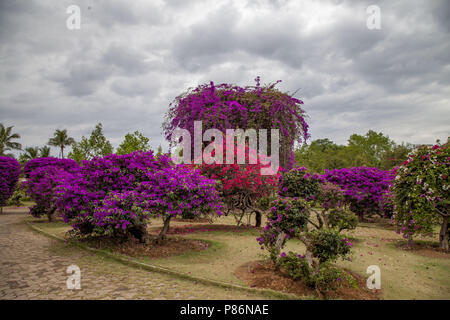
(404, 274)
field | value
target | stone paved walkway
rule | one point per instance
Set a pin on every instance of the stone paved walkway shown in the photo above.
(33, 266)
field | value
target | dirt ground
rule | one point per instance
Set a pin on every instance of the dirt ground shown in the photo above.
(263, 274)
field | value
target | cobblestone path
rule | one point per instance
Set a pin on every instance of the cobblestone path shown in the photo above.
(33, 266)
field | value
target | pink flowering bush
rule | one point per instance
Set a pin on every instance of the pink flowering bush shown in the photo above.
(365, 189)
(226, 106)
(421, 193)
(9, 176)
(241, 187)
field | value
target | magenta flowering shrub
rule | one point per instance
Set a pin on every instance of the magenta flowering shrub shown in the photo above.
(172, 191)
(115, 195)
(41, 187)
(226, 106)
(119, 214)
(78, 200)
(366, 189)
(67, 165)
(9, 176)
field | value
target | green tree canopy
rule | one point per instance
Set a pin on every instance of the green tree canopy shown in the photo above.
(97, 145)
(368, 149)
(133, 142)
(321, 154)
(372, 150)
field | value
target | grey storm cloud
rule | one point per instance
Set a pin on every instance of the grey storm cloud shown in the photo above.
(130, 59)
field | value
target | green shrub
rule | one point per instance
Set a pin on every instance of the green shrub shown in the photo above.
(328, 245)
(326, 277)
(295, 265)
(299, 183)
(17, 198)
(342, 219)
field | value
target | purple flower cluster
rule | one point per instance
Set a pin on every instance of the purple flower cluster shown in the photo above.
(41, 185)
(173, 190)
(9, 176)
(101, 175)
(365, 188)
(226, 106)
(67, 165)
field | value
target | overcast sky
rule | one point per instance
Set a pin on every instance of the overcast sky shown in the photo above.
(130, 59)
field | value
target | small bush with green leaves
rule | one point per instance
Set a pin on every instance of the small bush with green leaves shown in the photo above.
(325, 277)
(299, 183)
(265, 203)
(328, 245)
(328, 277)
(295, 265)
(342, 219)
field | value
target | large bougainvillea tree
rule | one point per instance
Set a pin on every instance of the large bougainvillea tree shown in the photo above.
(366, 189)
(422, 193)
(226, 106)
(115, 195)
(9, 176)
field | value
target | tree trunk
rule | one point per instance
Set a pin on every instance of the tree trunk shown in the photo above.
(50, 215)
(309, 259)
(162, 235)
(444, 234)
(280, 240)
(62, 152)
(308, 255)
(258, 219)
(139, 232)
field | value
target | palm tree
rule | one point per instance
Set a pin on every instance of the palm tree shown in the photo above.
(6, 138)
(33, 153)
(44, 152)
(29, 153)
(61, 139)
